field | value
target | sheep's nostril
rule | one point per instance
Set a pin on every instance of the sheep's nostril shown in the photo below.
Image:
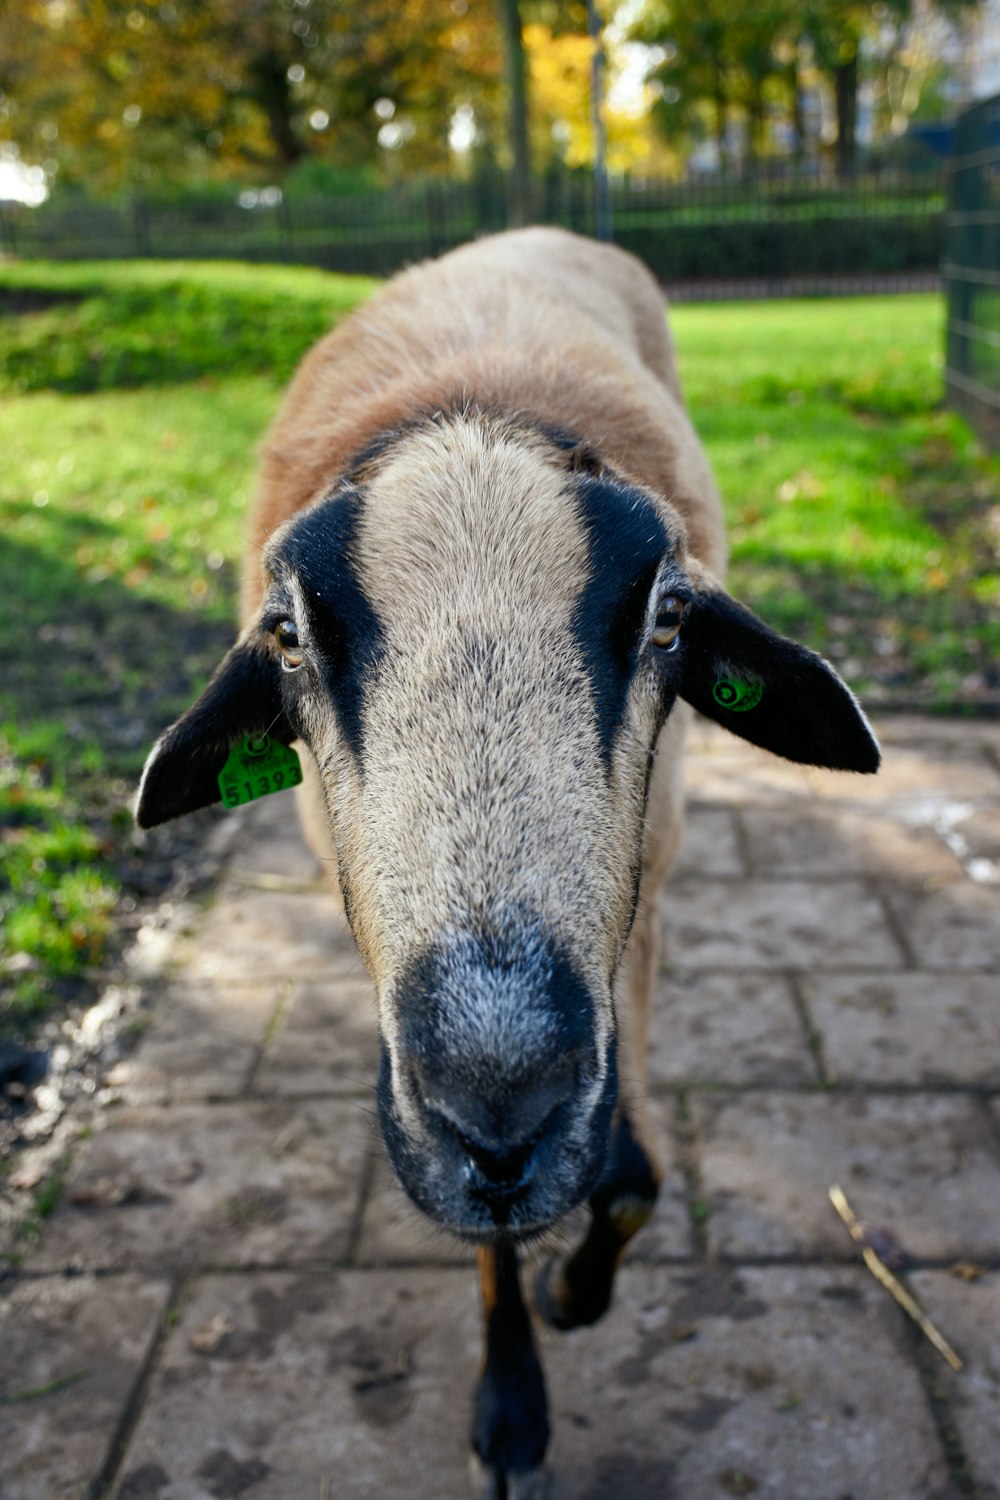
(489, 1171)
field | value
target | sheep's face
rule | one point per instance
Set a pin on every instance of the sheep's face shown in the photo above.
(478, 637)
(479, 689)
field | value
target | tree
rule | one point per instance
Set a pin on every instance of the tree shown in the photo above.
(115, 91)
(516, 71)
(728, 57)
(839, 30)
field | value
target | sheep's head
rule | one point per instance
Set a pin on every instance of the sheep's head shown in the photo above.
(478, 637)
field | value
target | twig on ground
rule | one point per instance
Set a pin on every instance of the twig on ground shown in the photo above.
(894, 1287)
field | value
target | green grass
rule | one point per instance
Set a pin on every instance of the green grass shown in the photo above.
(863, 517)
(129, 417)
(135, 323)
(132, 397)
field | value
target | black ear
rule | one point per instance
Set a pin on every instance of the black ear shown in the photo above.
(769, 690)
(243, 698)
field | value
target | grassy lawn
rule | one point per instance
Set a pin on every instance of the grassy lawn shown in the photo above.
(132, 396)
(863, 518)
(129, 415)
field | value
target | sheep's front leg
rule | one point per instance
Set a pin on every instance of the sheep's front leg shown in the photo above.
(510, 1425)
(576, 1291)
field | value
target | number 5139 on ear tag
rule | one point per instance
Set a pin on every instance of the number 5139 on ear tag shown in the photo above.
(256, 767)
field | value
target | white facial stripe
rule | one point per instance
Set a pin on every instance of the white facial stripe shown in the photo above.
(481, 782)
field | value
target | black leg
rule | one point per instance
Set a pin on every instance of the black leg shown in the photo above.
(576, 1292)
(510, 1425)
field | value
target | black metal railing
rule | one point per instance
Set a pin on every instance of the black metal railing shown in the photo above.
(769, 231)
(972, 271)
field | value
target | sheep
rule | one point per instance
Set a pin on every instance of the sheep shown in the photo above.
(483, 594)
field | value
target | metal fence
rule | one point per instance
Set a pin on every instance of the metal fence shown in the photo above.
(972, 271)
(761, 234)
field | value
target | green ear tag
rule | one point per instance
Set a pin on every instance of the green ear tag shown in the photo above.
(731, 693)
(256, 767)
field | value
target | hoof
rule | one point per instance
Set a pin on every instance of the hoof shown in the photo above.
(562, 1306)
(500, 1484)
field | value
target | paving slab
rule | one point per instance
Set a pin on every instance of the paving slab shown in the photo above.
(729, 773)
(973, 833)
(780, 1383)
(778, 924)
(938, 733)
(224, 1184)
(711, 845)
(329, 1336)
(727, 1028)
(355, 1384)
(827, 841)
(913, 1028)
(251, 933)
(71, 1353)
(925, 1167)
(327, 1041)
(773, 1382)
(954, 928)
(940, 770)
(968, 1312)
(270, 842)
(197, 1042)
(667, 1235)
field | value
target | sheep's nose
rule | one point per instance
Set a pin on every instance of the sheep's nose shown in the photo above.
(493, 1171)
(500, 1136)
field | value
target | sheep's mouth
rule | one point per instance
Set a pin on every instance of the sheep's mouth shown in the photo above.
(440, 1179)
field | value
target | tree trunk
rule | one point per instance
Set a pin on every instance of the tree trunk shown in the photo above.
(798, 119)
(845, 88)
(721, 121)
(519, 194)
(269, 86)
(755, 123)
(602, 192)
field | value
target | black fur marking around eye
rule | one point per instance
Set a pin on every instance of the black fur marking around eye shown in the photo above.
(344, 626)
(627, 541)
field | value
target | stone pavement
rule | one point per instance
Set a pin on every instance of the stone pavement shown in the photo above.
(233, 1299)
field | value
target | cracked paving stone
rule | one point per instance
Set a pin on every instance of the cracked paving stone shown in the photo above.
(908, 1028)
(924, 1167)
(71, 1352)
(328, 1041)
(251, 934)
(201, 1042)
(359, 1384)
(968, 1313)
(710, 845)
(787, 924)
(826, 840)
(911, 773)
(955, 927)
(240, 1184)
(271, 842)
(726, 1028)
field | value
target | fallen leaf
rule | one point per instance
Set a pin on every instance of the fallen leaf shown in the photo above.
(207, 1338)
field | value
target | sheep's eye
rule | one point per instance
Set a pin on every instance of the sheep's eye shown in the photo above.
(287, 638)
(669, 619)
